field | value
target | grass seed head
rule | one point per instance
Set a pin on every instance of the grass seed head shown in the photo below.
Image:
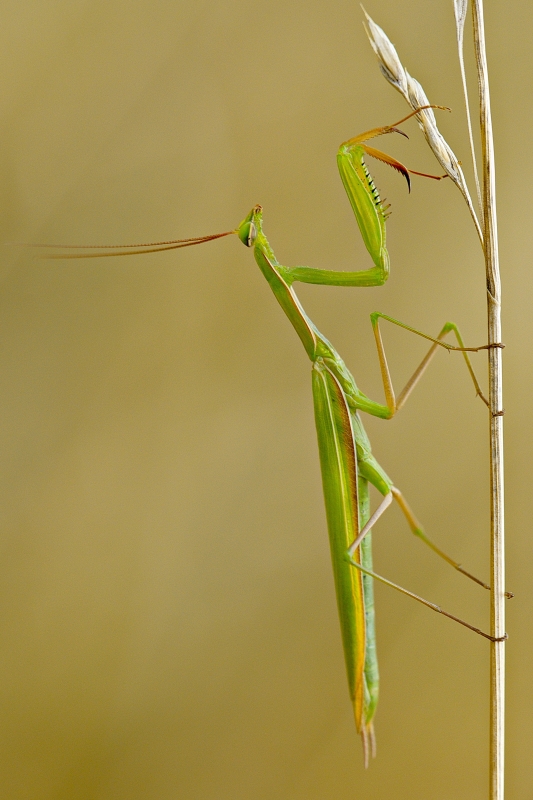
(395, 73)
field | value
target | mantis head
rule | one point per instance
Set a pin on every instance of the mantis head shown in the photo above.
(249, 227)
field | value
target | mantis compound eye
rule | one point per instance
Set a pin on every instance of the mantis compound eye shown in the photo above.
(248, 234)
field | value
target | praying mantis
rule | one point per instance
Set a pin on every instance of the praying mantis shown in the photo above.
(347, 463)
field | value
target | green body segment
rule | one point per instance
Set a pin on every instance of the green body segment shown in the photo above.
(347, 463)
(338, 461)
(347, 510)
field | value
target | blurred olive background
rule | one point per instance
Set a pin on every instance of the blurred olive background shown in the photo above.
(168, 618)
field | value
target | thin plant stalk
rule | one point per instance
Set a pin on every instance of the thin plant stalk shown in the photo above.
(497, 649)
(394, 72)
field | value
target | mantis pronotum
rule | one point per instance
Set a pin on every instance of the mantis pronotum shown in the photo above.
(347, 463)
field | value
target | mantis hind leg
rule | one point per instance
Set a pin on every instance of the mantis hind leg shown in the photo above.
(417, 529)
(427, 603)
(372, 472)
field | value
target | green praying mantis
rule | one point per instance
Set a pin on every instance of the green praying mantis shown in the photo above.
(347, 463)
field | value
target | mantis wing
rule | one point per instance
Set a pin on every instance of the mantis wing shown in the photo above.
(338, 462)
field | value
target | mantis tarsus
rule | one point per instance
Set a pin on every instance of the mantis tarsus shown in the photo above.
(347, 463)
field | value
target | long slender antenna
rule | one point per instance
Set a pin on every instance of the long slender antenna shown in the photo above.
(124, 249)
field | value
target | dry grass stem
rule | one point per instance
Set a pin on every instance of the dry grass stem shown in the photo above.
(394, 72)
(497, 649)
